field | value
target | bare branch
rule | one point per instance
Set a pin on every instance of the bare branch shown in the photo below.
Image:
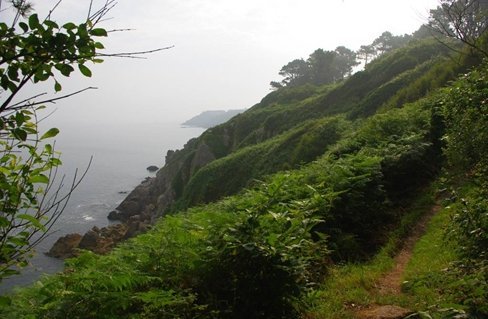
(89, 10)
(133, 54)
(53, 100)
(5, 105)
(28, 99)
(48, 17)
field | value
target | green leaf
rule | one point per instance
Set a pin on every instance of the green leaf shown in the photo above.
(57, 86)
(24, 26)
(55, 161)
(34, 21)
(18, 241)
(5, 301)
(4, 82)
(20, 118)
(34, 221)
(51, 133)
(82, 31)
(84, 70)
(41, 75)
(99, 45)
(69, 26)
(20, 134)
(48, 148)
(3, 222)
(42, 179)
(13, 72)
(51, 24)
(65, 69)
(99, 32)
(12, 86)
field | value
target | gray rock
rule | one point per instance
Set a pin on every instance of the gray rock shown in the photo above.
(114, 215)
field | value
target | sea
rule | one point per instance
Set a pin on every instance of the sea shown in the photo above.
(119, 155)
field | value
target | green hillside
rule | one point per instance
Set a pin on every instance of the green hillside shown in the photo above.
(292, 126)
(296, 207)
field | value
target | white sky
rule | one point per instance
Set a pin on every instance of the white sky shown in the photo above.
(226, 51)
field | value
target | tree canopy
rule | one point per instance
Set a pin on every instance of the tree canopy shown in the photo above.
(464, 20)
(321, 67)
(325, 67)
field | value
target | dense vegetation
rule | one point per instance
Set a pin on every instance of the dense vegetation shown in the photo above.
(294, 125)
(307, 197)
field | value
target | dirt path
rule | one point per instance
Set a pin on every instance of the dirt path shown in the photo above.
(390, 283)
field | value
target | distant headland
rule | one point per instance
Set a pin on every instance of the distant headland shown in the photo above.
(209, 119)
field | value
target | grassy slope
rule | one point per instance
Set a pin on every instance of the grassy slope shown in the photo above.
(207, 262)
(274, 133)
(429, 285)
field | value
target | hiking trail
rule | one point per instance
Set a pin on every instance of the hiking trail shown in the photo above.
(391, 282)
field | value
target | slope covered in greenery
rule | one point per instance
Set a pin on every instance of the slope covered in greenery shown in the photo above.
(307, 181)
(292, 126)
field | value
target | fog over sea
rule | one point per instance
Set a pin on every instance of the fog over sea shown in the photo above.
(121, 153)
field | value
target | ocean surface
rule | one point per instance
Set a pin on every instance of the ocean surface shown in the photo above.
(121, 153)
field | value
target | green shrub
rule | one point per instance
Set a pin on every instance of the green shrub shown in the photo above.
(465, 107)
(260, 265)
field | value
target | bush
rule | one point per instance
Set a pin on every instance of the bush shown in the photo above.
(465, 107)
(261, 264)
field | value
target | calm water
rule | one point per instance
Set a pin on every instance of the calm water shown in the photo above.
(121, 153)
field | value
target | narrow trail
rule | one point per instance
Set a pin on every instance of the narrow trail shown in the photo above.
(391, 282)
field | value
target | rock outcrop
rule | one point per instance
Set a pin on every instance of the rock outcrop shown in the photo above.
(153, 196)
(101, 241)
(98, 240)
(65, 246)
(142, 206)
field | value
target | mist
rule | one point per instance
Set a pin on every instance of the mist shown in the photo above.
(224, 53)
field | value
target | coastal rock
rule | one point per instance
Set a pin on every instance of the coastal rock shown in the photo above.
(154, 195)
(114, 215)
(134, 228)
(65, 246)
(152, 168)
(90, 240)
(146, 203)
(169, 156)
(203, 156)
(101, 241)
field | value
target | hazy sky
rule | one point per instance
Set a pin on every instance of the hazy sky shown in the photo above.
(225, 51)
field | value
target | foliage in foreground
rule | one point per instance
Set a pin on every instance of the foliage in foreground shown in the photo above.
(34, 50)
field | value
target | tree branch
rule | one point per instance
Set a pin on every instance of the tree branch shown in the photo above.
(133, 54)
(53, 100)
